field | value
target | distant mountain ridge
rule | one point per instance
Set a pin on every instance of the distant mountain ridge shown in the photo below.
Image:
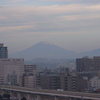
(44, 50)
(92, 53)
(51, 51)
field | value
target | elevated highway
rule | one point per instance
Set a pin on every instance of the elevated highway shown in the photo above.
(40, 94)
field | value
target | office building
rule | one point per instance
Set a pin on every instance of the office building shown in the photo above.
(10, 69)
(3, 51)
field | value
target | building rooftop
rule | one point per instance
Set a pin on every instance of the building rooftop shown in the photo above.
(1, 44)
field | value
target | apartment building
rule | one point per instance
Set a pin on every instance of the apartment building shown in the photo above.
(68, 81)
(46, 81)
(28, 79)
(88, 64)
(30, 68)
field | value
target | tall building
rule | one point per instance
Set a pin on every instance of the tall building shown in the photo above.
(3, 51)
(10, 70)
(88, 64)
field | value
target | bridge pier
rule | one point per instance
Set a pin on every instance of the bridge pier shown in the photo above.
(38, 97)
(19, 96)
(68, 98)
(2, 92)
(13, 95)
(34, 97)
(29, 97)
(56, 98)
(65, 98)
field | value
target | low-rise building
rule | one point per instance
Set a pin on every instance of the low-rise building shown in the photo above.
(28, 81)
(30, 68)
(95, 83)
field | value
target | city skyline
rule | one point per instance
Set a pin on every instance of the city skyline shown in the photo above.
(70, 24)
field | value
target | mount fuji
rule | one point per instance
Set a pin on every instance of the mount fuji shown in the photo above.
(44, 50)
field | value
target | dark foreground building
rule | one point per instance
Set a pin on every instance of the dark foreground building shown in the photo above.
(64, 81)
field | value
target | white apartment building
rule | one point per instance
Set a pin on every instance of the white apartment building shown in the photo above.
(95, 83)
(10, 70)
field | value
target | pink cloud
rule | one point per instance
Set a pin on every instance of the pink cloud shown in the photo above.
(13, 28)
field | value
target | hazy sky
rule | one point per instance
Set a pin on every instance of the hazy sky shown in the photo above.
(71, 24)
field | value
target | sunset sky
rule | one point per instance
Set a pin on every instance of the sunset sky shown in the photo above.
(70, 24)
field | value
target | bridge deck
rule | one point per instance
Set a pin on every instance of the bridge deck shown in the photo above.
(52, 92)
